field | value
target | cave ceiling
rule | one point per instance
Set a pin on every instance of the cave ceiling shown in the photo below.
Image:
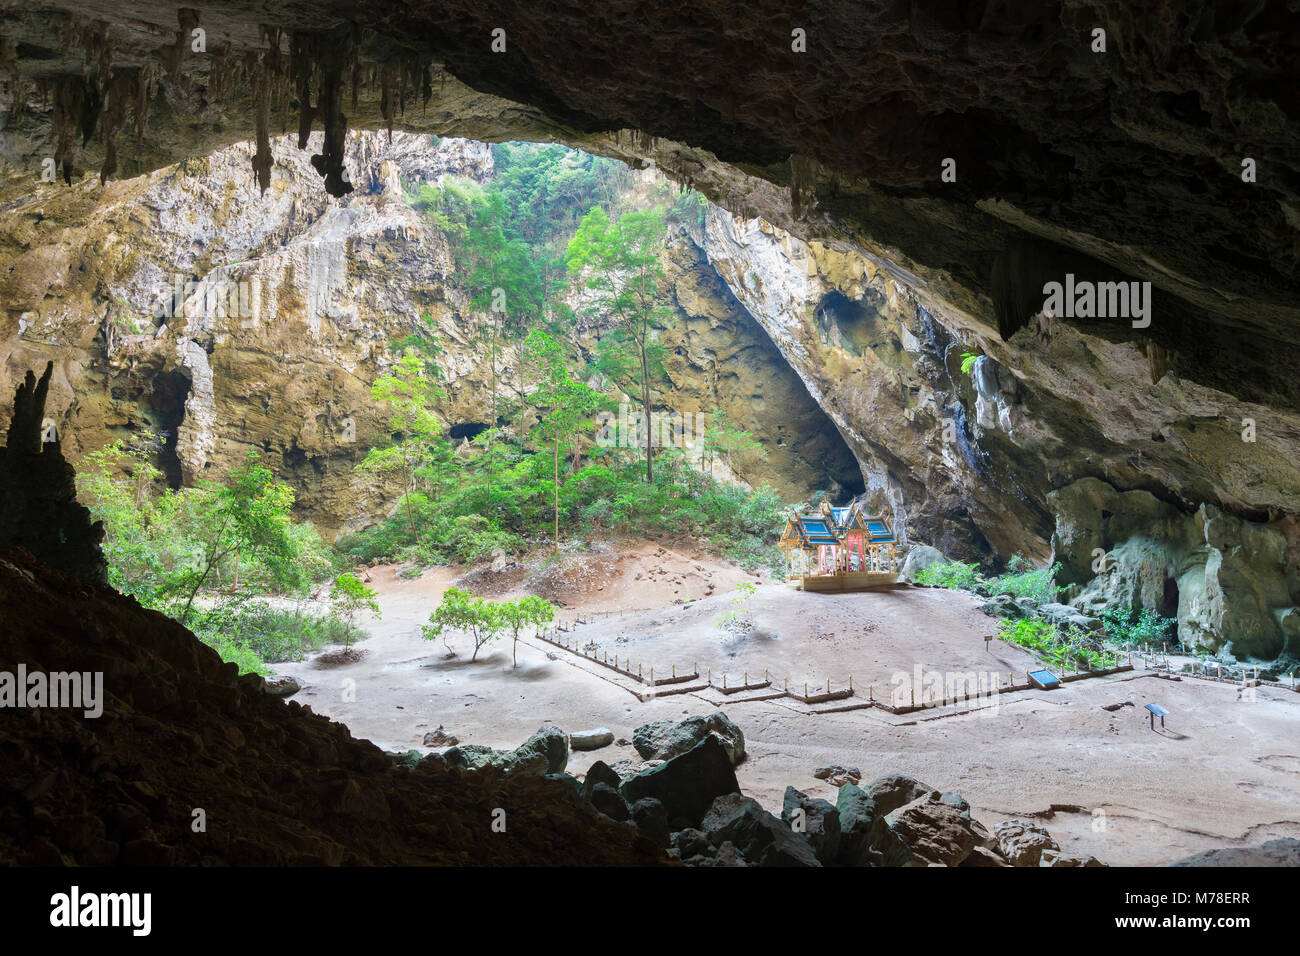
(1066, 159)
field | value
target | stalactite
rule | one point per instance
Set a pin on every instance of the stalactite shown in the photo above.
(268, 84)
(803, 184)
(76, 110)
(301, 69)
(121, 89)
(9, 61)
(356, 66)
(146, 87)
(1157, 361)
(387, 81)
(329, 103)
(262, 159)
(221, 73)
(187, 19)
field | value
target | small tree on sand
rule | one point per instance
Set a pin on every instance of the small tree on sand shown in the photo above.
(462, 611)
(347, 597)
(531, 611)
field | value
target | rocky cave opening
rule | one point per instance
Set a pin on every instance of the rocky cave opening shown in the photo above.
(466, 430)
(171, 389)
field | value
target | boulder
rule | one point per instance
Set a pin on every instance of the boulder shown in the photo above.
(545, 752)
(551, 743)
(569, 781)
(935, 830)
(527, 762)
(918, 559)
(663, 739)
(1009, 606)
(763, 839)
(1281, 852)
(600, 772)
(820, 822)
(630, 768)
(650, 817)
(894, 790)
(473, 757)
(591, 739)
(865, 837)
(1053, 858)
(728, 855)
(687, 784)
(1063, 615)
(607, 800)
(439, 738)
(409, 759)
(281, 687)
(1022, 842)
(690, 842)
(838, 776)
(981, 856)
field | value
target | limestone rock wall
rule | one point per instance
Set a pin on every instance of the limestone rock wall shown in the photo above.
(188, 304)
(1024, 453)
(1228, 581)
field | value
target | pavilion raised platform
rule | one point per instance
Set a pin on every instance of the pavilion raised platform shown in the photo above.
(846, 581)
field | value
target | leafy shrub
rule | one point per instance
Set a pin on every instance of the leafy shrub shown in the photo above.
(1063, 646)
(233, 652)
(267, 632)
(474, 538)
(1023, 581)
(957, 575)
(1130, 628)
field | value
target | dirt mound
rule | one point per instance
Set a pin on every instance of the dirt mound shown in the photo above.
(181, 733)
(622, 575)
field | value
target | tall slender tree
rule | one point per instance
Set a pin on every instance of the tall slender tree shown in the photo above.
(619, 262)
(565, 404)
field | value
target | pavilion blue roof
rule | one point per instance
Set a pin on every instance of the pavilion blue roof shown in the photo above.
(817, 531)
(878, 530)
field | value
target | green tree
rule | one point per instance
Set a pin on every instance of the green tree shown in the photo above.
(530, 611)
(619, 262)
(566, 405)
(247, 517)
(409, 391)
(116, 483)
(348, 596)
(461, 611)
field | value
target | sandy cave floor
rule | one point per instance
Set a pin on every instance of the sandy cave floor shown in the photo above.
(1225, 772)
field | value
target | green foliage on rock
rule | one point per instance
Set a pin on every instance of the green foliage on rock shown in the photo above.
(950, 574)
(1064, 646)
(1138, 628)
(1021, 579)
(1024, 581)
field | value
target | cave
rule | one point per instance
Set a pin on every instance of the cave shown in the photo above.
(859, 234)
(170, 390)
(466, 430)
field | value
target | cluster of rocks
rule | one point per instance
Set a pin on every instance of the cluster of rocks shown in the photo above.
(685, 799)
(1016, 607)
